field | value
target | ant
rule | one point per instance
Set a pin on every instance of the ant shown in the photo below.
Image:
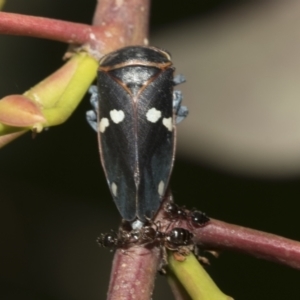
(195, 217)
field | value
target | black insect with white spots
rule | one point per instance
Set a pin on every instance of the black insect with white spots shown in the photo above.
(135, 114)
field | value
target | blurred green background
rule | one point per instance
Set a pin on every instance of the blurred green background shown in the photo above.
(238, 157)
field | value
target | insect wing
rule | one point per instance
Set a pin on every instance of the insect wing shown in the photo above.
(156, 142)
(117, 143)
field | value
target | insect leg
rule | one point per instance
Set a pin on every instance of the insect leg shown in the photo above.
(178, 79)
(180, 111)
(91, 115)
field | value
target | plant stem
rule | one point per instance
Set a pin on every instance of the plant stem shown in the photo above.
(133, 273)
(63, 31)
(225, 236)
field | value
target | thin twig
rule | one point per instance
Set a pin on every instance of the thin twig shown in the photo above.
(225, 236)
(63, 31)
(124, 23)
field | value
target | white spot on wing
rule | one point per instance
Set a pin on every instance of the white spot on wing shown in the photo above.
(168, 123)
(161, 188)
(153, 115)
(117, 115)
(104, 122)
(114, 189)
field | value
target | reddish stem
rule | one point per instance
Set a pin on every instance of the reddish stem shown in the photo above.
(124, 23)
(133, 273)
(63, 31)
(224, 236)
(116, 24)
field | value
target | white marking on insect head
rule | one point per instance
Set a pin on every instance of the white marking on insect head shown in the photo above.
(114, 189)
(168, 123)
(117, 115)
(104, 122)
(153, 115)
(161, 188)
